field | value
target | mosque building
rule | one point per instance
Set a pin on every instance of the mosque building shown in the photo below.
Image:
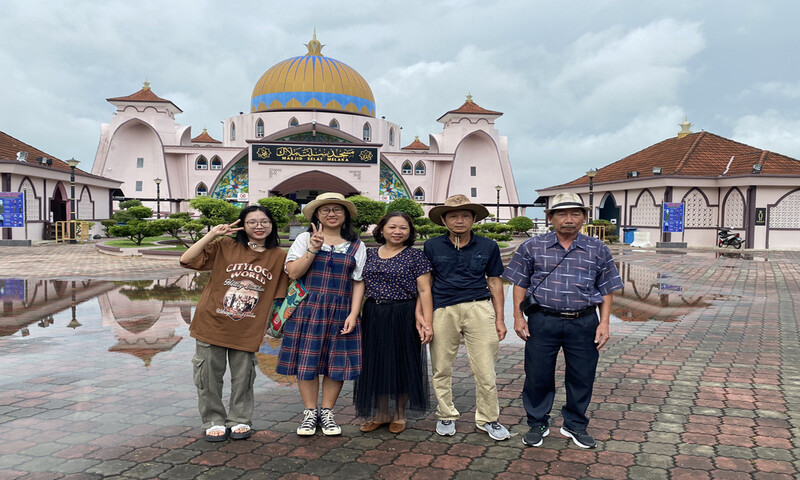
(715, 181)
(312, 127)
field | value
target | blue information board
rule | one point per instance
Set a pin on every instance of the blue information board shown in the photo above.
(12, 289)
(12, 209)
(672, 221)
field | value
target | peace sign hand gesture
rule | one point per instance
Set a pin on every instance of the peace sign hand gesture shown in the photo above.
(317, 238)
(225, 229)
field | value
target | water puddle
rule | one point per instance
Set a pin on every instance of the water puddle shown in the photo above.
(140, 319)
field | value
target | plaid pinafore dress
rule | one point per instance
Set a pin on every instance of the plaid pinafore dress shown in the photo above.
(312, 344)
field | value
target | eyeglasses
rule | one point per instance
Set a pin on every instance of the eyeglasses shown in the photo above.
(327, 211)
(254, 223)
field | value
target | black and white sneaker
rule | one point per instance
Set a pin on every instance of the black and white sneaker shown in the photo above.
(308, 426)
(535, 436)
(329, 426)
(579, 437)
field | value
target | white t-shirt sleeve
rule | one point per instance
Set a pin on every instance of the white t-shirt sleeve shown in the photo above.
(361, 259)
(298, 248)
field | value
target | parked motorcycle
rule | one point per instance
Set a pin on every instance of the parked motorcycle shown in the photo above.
(725, 238)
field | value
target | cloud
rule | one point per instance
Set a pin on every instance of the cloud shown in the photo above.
(780, 89)
(771, 130)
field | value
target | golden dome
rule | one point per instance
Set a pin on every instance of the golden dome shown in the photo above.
(313, 82)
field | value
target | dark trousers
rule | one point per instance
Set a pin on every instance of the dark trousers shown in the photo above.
(548, 335)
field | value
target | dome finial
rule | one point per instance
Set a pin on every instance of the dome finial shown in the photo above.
(314, 47)
(685, 127)
(145, 85)
(469, 97)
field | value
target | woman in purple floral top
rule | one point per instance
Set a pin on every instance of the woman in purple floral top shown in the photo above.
(393, 378)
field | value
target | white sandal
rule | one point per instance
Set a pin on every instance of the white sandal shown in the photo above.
(241, 435)
(210, 437)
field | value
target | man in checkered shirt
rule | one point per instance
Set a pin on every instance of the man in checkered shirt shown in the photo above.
(570, 275)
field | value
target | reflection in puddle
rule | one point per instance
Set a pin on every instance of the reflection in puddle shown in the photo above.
(646, 296)
(144, 318)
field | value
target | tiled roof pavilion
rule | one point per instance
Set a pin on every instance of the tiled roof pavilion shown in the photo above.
(701, 154)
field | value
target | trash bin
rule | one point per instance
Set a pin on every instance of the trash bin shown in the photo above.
(628, 234)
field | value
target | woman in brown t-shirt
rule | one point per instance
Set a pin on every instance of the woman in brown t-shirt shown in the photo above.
(231, 316)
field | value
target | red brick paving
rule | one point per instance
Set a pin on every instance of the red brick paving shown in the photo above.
(708, 380)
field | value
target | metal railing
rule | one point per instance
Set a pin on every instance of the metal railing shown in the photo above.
(63, 232)
(597, 231)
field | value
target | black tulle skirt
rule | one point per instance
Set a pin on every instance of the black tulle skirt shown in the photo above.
(395, 367)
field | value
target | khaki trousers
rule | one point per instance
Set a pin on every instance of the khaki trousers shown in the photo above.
(475, 321)
(209, 364)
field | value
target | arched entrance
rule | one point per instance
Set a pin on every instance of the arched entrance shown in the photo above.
(609, 211)
(59, 204)
(305, 187)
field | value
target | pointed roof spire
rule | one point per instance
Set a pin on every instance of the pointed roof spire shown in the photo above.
(685, 128)
(314, 46)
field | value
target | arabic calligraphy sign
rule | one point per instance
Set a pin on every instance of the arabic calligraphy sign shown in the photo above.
(315, 153)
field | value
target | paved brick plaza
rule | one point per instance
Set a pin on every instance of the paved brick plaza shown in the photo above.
(701, 380)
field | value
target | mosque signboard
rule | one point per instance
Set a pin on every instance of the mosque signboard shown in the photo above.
(12, 213)
(282, 153)
(672, 221)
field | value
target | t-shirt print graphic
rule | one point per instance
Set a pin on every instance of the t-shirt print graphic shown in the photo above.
(240, 299)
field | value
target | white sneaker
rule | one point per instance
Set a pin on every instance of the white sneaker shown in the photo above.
(308, 426)
(446, 428)
(495, 430)
(329, 426)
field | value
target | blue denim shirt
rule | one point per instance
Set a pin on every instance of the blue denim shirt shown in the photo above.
(581, 280)
(459, 275)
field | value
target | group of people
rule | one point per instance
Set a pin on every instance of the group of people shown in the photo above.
(370, 312)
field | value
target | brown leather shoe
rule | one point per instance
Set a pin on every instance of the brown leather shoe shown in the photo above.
(371, 426)
(397, 426)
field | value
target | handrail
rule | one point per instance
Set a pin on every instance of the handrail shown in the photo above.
(64, 233)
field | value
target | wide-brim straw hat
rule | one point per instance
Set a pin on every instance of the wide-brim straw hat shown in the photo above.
(326, 198)
(457, 202)
(565, 201)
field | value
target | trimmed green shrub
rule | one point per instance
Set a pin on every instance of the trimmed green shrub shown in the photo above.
(407, 205)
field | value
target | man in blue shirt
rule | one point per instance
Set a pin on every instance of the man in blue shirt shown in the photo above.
(569, 275)
(467, 303)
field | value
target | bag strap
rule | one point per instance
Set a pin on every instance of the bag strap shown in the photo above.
(551, 271)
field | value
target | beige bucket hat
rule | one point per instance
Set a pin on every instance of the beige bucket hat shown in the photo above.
(457, 202)
(329, 197)
(564, 201)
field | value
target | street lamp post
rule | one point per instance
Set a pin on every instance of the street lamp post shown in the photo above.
(72, 164)
(497, 217)
(591, 173)
(158, 197)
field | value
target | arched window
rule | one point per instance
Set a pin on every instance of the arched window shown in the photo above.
(201, 163)
(334, 124)
(32, 202)
(259, 128)
(391, 136)
(293, 122)
(420, 168)
(367, 132)
(216, 163)
(201, 190)
(406, 169)
(419, 195)
(85, 207)
(233, 131)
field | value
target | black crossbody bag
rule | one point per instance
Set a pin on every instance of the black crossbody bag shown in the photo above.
(530, 305)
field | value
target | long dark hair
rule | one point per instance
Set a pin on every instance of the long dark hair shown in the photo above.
(377, 232)
(272, 239)
(346, 232)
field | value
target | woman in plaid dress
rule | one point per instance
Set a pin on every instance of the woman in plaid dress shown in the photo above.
(322, 338)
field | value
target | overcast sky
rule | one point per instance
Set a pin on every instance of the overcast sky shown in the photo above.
(580, 83)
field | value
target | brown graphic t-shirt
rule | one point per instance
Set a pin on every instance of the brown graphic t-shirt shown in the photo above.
(233, 309)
